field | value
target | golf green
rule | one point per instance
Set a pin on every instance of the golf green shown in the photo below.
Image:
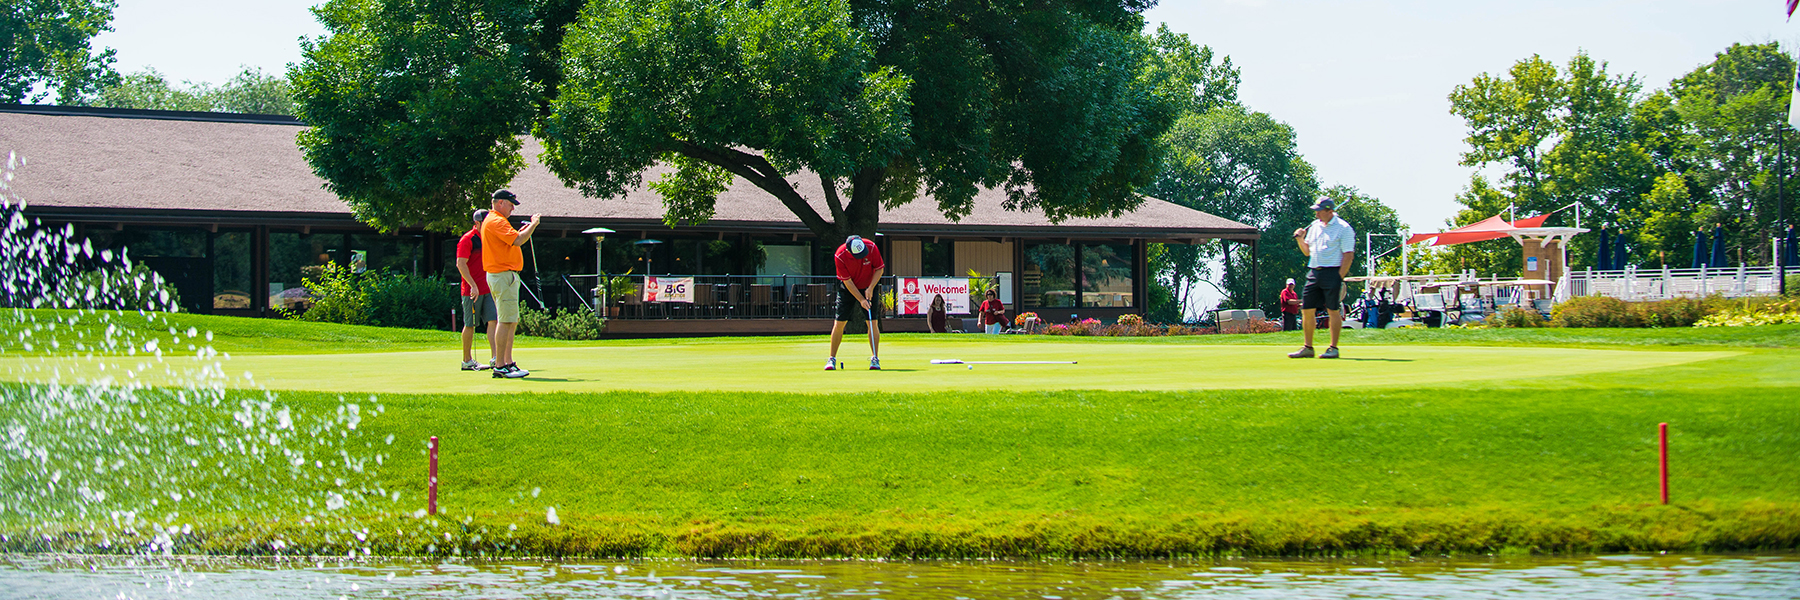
(794, 364)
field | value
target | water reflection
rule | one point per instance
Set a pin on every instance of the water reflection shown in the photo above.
(1609, 577)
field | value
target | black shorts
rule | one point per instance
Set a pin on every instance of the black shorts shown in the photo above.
(1323, 287)
(848, 307)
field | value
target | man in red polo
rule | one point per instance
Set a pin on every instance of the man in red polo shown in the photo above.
(859, 268)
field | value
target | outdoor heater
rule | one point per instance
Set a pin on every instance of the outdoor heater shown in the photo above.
(600, 290)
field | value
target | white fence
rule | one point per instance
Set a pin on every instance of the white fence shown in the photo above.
(1662, 284)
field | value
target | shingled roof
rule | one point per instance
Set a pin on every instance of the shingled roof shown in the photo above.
(208, 167)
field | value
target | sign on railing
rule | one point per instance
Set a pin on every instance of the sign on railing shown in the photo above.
(669, 289)
(916, 294)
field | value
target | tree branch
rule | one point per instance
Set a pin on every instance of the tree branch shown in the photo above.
(831, 199)
(757, 170)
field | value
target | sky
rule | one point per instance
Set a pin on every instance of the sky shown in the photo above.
(1363, 83)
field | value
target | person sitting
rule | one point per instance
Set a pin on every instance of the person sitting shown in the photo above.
(937, 315)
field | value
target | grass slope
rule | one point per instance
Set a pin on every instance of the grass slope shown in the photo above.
(1521, 461)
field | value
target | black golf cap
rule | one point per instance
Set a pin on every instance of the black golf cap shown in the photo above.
(507, 195)
(1320, 204)
(858, 246)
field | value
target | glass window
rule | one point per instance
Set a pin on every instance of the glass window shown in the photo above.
(786, 259)
(936, 260)
(395, 253)
(1106, 275)
(296, 255)
(1048, 279)
(231, 270)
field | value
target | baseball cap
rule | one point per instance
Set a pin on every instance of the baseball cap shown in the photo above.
(1320, 204)
(858, 247)
(507, 195)
(1290, 281)
(480, 214)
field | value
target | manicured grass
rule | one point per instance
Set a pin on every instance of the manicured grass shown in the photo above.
(1541, 449)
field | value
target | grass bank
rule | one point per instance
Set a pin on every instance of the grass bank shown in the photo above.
(1514, 461)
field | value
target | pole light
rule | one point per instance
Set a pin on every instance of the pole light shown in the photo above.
(599, 234)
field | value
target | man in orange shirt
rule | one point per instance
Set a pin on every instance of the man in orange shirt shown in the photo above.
(501, 258)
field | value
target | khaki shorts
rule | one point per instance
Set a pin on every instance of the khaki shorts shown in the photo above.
(504, 287)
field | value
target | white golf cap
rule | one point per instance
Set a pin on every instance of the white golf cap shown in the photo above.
(1290, 281)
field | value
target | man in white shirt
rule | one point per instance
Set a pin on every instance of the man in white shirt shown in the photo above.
(1329, 244)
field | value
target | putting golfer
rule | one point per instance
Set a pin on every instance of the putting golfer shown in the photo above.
(501, 258)
(477, 304)
(859, 268)
(1290, 306)
(1329, 244)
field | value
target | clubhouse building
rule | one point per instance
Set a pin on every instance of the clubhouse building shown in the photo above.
(226, 208)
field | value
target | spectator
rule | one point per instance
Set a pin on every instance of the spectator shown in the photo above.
(993, 313)
(938, 315)
(1290, 307)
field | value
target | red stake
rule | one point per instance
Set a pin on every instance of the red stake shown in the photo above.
(1662, 433)
(431, 484)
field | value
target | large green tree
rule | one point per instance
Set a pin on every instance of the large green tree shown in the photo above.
(250, 91)
(1558, 137)
(46, 50)
(1733, 109)
(1190, 76)
(416, 105)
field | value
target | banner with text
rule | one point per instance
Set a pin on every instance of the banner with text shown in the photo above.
(916, 293)
(668, 289)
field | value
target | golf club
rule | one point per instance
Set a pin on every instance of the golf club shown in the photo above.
(870, 322)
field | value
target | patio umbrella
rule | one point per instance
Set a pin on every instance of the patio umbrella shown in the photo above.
(1718, 248)
(1699, 249)
(1619, 254)
(1604, 261)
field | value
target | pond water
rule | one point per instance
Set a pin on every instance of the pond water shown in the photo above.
(1625, 576)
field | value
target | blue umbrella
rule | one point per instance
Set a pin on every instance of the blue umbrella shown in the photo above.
(1699, 249)
(1604, 261)
(1718, 249)
(1619, 255)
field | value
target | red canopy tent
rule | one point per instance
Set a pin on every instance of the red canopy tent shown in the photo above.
(1491, 228)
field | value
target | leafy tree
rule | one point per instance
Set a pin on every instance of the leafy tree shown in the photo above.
(416, 105)
(1733, 109)
(47, 43)
(147, 89)
(1560, 137)
(250, 92)
(1189, 75)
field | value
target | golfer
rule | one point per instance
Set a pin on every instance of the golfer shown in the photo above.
(1290, 306)
(1330, 244)
(859, 268)
(477, 304)
(501, 258)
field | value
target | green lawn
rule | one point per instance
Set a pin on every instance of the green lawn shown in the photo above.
(1442, 441)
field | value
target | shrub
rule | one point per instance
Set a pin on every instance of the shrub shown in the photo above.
(408, 301)
(121, 288)
(381, 298)
(1593, 311)
(1674, 312)
(1515, 316)
(1749, 313)
(1130, 320)
(562, 324)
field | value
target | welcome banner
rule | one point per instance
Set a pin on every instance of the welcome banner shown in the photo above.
(668, 289)
(916, 293)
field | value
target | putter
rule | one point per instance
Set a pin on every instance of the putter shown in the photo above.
(870, 322)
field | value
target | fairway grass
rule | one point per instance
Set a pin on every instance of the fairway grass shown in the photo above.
(794, 365)
(742, 447)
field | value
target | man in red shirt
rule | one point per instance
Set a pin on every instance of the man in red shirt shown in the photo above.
(859, 268)
(1290, 306)
(477, 304)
